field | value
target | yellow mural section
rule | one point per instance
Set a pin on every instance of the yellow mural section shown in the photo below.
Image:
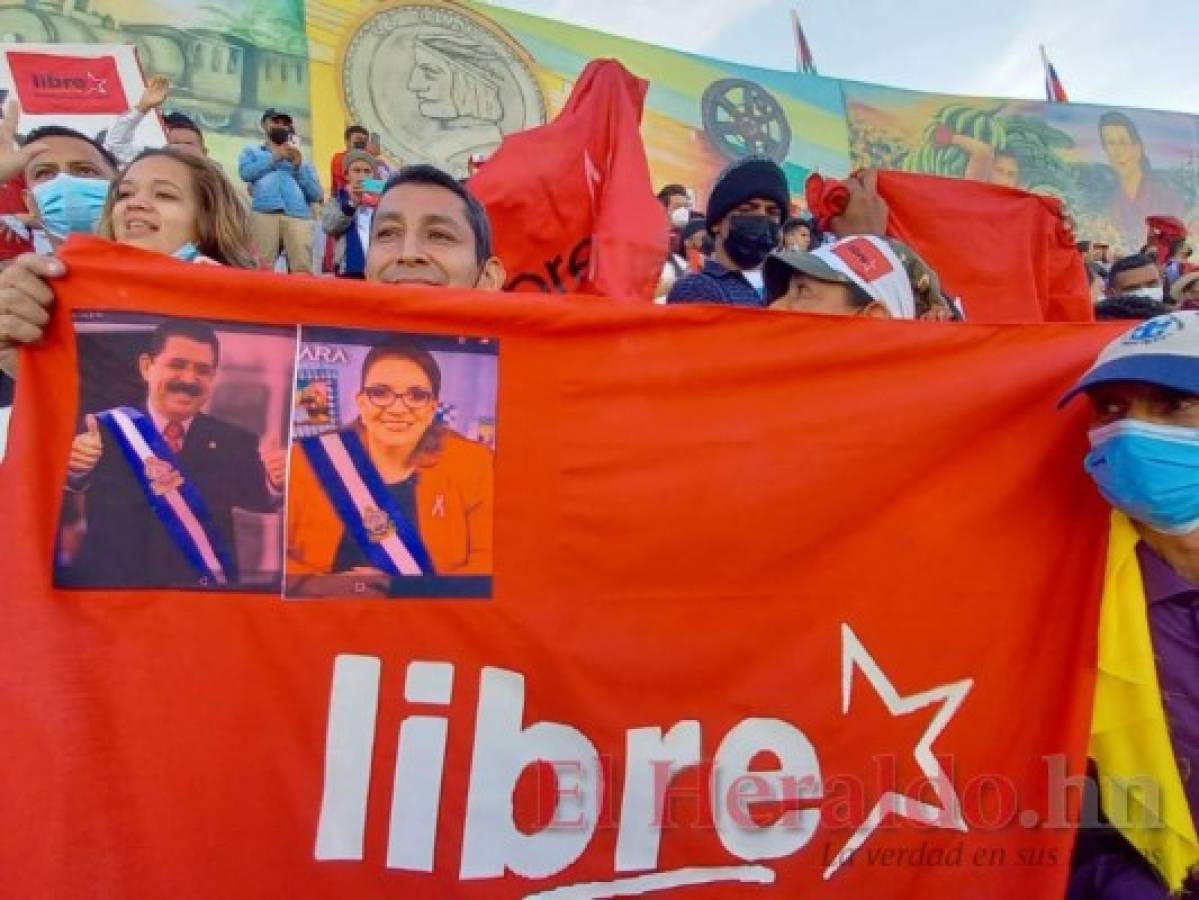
(327, 23)
(437, 78)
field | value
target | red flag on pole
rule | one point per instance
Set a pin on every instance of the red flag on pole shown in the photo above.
(571, 202)
(1055, 92)
(804, 61)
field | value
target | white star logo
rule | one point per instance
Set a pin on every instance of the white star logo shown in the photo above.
(950, 696)
(96, 85)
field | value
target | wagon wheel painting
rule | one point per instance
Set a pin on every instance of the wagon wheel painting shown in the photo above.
(740, 117)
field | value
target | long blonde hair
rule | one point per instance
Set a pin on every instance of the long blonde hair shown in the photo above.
(222, 227)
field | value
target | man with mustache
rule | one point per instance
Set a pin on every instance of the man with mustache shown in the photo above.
(165, 518)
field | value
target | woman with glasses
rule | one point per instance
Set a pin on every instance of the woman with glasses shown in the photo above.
(397, 494)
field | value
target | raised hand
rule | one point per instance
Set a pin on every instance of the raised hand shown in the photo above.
(13, 159)
(867, 211)
(274, 460)
(155, 94)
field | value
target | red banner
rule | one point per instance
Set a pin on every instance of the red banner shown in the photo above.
(78, 85)
(780, 605)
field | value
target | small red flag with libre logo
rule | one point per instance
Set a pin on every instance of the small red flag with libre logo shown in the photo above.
(79, 85)
(47, 83)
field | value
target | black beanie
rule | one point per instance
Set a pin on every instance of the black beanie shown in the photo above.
(749, 177)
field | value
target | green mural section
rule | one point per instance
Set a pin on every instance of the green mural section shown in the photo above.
(226, 61)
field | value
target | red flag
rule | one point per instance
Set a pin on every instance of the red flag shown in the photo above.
(1055, 91)
(703, 589)
(1162, 232)
(1007, 253)
(804, 61)
(82, 85)
(571, 203)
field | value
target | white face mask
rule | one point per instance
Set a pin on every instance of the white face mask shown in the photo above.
(680, 217)
(1157, 292)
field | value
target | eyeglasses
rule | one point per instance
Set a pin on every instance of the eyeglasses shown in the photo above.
(383, 396)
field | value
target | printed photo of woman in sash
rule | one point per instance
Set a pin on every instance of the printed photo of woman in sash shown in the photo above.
(396, 502)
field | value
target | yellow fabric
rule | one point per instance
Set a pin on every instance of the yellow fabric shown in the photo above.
(1129, 738)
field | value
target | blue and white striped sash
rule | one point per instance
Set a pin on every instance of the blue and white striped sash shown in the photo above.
(175, 500)
(370, 513)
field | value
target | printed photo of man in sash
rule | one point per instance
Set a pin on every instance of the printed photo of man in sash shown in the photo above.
(176, 477)
(391, 484)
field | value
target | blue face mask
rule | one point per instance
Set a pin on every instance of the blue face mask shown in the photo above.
(68, 204)
(187, 252)
(1150, 472)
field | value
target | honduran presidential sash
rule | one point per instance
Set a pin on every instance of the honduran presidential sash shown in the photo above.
(371, 515)
(175, 500)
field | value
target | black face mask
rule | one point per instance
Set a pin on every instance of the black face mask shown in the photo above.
(750, 240)
(358, 144)
(278, 134)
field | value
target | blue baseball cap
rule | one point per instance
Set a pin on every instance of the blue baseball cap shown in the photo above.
(1163, 350)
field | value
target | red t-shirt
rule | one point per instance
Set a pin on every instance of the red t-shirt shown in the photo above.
(337, 177)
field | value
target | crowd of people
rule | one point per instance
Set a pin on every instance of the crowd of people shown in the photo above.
(422, 226)
(748, 249)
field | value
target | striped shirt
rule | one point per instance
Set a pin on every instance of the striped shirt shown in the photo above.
(715, 284)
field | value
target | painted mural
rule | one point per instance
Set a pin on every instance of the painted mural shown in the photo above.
(444, 81)
(1111, 166)
(441, 80)
(226, 60)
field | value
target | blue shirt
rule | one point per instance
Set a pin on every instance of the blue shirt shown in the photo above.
(715, 284)
(278, 185)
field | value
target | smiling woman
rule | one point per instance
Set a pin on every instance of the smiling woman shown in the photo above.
(395, 502)
(165, 201)
(179, 205)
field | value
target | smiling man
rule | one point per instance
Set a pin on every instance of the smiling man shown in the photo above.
(430, 230)
(158, 483)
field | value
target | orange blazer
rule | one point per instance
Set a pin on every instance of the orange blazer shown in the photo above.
(454, 501)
